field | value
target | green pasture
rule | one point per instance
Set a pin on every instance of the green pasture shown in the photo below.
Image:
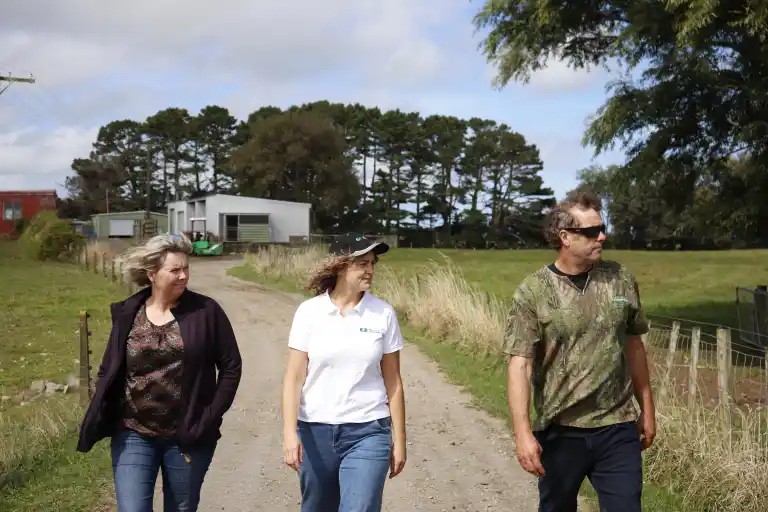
(695, 286)
(40, 303)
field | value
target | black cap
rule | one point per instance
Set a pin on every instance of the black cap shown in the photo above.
(356, 245)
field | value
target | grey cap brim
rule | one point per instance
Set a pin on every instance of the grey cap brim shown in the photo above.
(377, 248)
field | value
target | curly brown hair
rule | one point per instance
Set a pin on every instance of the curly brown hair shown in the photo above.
(324, 276)
(560, 216)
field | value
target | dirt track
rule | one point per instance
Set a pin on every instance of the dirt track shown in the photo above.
(459, 458)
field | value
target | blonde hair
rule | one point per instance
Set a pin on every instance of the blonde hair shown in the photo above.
(137, 262)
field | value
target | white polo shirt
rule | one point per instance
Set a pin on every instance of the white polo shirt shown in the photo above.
(344, 382)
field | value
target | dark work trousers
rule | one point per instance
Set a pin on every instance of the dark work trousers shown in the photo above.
(609, 456)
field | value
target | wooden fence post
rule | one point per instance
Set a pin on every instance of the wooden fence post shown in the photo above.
(724, 365)
(671, 352)
(114, 275)
(85, 257)
(104, 264)
(694, 369)
(128, 283)
(85, 358)
(95, 264)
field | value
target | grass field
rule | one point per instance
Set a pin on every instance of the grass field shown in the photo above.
(697, 286)
(39, 317)
(455, 314)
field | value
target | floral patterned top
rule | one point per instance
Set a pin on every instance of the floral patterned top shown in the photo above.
(153, 381)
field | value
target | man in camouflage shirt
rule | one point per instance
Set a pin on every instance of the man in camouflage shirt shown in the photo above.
(573, 333)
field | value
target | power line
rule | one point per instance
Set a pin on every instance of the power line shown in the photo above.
(10, 79)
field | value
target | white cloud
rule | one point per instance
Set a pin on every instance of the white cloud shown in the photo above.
(97, 61)
(266, 41)
(31, 152)
(555, 77)
(563, 156)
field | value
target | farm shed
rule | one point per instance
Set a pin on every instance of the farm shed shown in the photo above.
(240, 219)
(128, 224)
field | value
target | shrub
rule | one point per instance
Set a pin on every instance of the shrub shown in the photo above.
(20, 226)
(47, 237)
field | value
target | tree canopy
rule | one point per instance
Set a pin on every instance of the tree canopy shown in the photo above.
(726, 209)
(472, 181)
(702, 90)
(690, 108)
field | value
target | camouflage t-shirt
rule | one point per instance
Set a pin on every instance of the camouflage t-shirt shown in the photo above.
(577, 340)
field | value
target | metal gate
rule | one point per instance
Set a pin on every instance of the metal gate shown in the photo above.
(752, 310)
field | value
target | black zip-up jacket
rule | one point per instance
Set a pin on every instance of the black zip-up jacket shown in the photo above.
(209, 345)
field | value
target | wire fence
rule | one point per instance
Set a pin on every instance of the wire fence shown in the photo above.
(752, 315)
(706, 363)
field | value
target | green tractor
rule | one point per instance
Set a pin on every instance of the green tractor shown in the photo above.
(205, 248)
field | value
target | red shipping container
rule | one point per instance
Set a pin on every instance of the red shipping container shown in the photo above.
(18, 204)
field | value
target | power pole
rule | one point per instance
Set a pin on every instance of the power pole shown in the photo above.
(149, 184)
(10, 79)
(150, 225)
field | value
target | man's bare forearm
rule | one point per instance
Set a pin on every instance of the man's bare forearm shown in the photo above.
(519, 373)
(638, 367)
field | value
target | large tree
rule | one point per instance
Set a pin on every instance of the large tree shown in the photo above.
(215, 128)
(726, 207)
(361, 168)
(299, 156)
(700, 93)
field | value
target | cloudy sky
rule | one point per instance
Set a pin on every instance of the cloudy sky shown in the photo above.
(97, 61)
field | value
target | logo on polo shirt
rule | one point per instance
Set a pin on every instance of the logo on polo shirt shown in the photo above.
(366, 329)
(620, 300)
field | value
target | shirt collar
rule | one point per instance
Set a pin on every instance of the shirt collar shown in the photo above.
(333, 309)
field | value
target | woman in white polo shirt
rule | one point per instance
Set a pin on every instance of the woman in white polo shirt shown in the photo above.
(343, 401)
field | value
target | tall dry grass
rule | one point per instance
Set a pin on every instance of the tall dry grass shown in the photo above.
(97, 250)
(711, 458)
(292, 266)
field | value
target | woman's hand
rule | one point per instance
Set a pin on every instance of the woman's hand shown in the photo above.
(398, 459)
(292, 453)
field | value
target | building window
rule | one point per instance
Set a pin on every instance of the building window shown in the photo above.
(254, 219)
(12, 210)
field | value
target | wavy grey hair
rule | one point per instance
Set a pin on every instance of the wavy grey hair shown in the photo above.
(137, 262)
(560, 217)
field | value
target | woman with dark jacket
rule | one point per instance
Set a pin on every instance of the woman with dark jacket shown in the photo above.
(157, 396)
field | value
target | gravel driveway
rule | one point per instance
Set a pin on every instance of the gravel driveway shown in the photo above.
(459, 458)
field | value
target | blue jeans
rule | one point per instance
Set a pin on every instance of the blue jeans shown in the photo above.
(609, 456)
(136, 460)
(344, 466)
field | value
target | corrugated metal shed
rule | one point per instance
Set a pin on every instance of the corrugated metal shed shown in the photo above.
(127, 224)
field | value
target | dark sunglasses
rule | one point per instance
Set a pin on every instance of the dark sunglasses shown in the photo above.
(589, 231)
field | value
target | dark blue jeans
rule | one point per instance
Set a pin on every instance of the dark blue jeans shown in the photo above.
(136, 460)
(609, 456)
(345, 466)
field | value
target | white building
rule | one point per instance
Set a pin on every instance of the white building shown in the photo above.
(240, 219)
